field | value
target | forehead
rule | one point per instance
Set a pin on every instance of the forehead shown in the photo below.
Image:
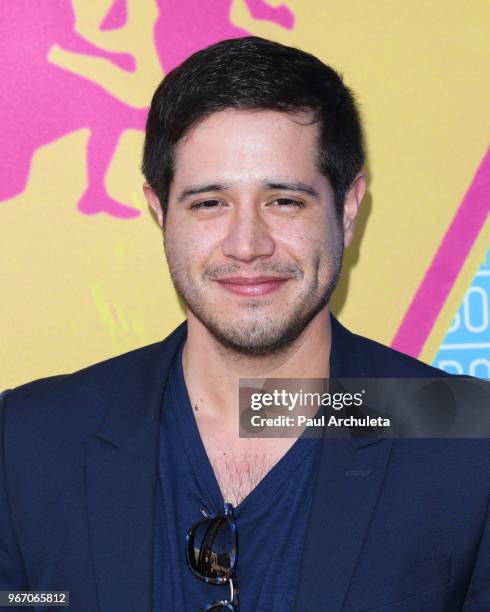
(243, 144)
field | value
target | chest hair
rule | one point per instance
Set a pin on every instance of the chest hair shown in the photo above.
(238, 476)
(239, 464)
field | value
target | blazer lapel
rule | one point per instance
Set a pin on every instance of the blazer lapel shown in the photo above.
(348, 485)
(349, 480)
(121, 475)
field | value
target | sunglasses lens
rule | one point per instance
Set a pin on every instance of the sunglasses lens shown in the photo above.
(211, 551)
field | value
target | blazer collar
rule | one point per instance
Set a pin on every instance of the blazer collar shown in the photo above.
(139, 396)
(348, 359)
(143, 386)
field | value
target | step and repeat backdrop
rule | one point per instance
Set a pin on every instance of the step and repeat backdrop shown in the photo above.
(82, 270)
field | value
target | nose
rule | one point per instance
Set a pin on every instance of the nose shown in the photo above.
(248, 236)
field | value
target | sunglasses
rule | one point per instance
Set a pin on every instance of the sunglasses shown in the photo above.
(211, 550)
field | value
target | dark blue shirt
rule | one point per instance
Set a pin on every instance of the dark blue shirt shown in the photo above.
(271, 520)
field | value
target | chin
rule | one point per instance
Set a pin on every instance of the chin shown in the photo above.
(256, 341)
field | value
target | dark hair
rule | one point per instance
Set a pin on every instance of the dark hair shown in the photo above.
(254, 73)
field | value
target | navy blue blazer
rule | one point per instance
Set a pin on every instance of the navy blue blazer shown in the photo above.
(395, 525)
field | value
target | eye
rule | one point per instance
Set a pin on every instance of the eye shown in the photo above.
(206, 205)
(288, 203)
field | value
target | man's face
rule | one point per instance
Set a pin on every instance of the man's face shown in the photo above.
(252, 239)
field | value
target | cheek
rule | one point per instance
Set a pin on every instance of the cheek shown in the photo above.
(191, 244)
(307, 242)
(322, 251)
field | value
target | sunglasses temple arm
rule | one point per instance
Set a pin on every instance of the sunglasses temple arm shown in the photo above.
(234, 592)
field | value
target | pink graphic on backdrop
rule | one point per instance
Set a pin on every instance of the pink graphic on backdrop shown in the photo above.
(195, 24)
(116, 17)
(446, 265)
(42, 102)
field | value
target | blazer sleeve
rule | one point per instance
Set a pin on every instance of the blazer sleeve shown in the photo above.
(478, 596)
(12, 571)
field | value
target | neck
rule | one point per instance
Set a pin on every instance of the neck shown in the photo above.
(212, 372)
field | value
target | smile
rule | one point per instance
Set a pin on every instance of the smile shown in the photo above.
(252, 286)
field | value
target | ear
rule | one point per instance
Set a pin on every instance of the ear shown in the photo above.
(352, 202)
(154, 202)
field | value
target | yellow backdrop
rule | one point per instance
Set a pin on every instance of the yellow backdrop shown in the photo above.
(82, 269)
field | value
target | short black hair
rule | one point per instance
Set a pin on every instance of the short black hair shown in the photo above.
(253, 73)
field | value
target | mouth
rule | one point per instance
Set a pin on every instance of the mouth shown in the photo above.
(253, 286)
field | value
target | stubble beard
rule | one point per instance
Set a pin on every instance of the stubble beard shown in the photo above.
(261, 335)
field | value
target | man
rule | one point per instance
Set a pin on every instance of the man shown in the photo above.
(253, 159)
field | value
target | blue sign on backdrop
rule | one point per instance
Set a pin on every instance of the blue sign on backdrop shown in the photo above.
(466, 348)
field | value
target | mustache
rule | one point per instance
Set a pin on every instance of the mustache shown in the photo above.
(263, 268)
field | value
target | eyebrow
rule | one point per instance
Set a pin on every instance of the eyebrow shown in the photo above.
(281, 186)
(300, 187)
(205, 188)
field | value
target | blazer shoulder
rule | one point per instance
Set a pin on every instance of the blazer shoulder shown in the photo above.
(89, 387)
